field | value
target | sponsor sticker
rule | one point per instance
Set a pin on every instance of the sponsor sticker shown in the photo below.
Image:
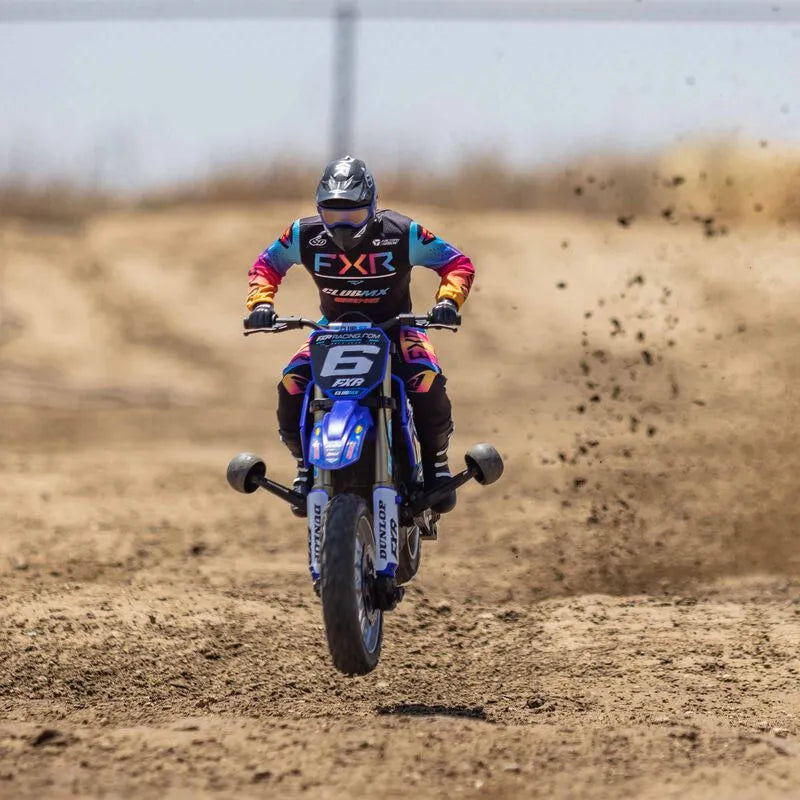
(382, 531)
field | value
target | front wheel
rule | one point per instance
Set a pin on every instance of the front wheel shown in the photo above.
(353, 625)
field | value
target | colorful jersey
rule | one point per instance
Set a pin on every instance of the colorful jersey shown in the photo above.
(373, 278)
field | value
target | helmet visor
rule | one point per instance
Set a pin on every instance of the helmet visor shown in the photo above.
(352, 217)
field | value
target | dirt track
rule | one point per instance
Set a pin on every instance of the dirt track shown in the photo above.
(619, 617)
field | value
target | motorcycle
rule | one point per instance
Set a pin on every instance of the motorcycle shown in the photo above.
(367, 509)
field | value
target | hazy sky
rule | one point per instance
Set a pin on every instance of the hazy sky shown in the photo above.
(135, 104)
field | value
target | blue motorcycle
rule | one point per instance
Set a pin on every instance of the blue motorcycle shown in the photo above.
(367, 509)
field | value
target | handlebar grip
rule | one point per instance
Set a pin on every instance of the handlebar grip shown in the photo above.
(288, 323)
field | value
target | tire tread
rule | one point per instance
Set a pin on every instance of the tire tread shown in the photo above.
(339, 606)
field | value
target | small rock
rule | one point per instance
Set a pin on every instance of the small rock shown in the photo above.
(187, 726)
(49, 736)
(540, 705)
(689, 735)
(261, 775)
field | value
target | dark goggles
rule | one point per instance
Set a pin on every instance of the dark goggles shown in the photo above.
(351, 217)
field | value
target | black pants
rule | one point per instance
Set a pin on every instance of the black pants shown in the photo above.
(414, 362)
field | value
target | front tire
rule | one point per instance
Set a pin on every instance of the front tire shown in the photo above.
(354, 627)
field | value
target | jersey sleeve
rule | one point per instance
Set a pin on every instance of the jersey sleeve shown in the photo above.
(453, 267)
(267, 272)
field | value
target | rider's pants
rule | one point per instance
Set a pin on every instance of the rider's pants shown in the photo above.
(415, 363)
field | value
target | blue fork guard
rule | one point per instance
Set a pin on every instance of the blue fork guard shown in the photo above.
(337, 440)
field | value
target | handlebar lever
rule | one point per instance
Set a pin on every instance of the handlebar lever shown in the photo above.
(251, 331)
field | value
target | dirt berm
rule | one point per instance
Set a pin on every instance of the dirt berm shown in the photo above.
(618, 617)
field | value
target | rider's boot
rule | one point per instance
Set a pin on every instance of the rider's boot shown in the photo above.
(435, 471)
(302, 482)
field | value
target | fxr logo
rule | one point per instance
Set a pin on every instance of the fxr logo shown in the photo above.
(365, 264)
(347, 383)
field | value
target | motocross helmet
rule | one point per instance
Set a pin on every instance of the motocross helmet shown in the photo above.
(346, 199)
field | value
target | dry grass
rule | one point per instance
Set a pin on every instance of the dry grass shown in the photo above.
(54, 202)
(714, 183)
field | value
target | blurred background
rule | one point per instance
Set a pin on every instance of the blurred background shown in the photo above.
(586, 155)
(625, 177)
(522, 99)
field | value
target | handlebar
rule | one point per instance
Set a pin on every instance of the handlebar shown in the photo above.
(295, 323)
(285, 324)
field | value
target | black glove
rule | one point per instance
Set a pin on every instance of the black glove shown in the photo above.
(445, 312)
(262, 316)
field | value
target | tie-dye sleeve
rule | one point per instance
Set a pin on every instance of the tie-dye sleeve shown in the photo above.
(454, 268)
(270, 267)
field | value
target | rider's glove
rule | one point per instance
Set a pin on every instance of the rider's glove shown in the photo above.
(262, 316)
(445, 312)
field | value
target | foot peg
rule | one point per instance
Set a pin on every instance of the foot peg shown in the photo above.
(428, 527)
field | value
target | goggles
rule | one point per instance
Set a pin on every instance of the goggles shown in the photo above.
(352, 217)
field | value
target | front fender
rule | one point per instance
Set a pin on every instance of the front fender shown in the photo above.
(337, 440)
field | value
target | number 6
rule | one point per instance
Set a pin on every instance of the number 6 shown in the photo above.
(347, 360)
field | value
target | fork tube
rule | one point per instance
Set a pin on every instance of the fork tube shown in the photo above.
(322, 477)
(317, 500)
(384, 495)
(383, 451)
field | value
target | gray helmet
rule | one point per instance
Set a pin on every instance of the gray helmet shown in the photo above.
(346, 199)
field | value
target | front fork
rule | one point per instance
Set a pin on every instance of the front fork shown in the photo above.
(384, 493)
(316, 501)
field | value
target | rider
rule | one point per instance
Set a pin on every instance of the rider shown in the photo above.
(361, 260)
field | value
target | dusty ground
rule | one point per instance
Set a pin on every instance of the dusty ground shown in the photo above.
(619, 617)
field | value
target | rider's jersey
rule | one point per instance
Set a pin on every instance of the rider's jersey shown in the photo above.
(373, 278)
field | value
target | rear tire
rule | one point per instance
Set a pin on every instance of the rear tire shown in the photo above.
(353, 626)
(410, 555)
